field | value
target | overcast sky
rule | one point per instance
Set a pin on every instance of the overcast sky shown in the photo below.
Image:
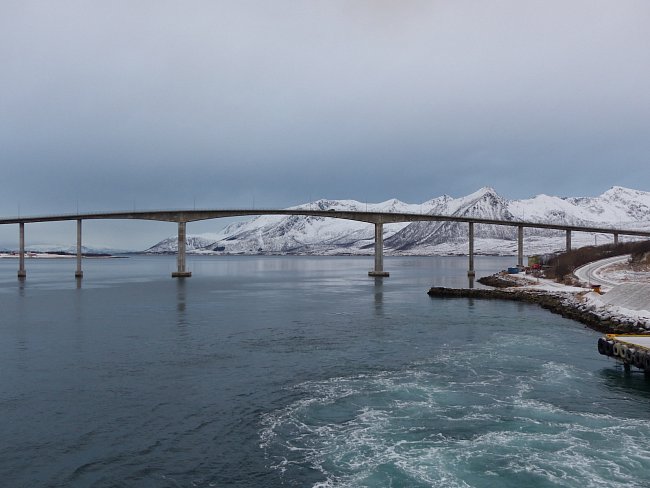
(162, 104)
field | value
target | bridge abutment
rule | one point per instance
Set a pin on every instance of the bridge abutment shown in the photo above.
(379, 272)
(180, 259)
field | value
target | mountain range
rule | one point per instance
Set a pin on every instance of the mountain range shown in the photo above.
(65, 249)
(276, 234)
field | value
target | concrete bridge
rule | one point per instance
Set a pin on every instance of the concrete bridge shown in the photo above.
(181, 217)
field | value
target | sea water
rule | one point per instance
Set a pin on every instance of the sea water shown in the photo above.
(302, 371)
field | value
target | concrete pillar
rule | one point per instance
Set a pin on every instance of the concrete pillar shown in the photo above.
(520, 246)
(616, 238)
(180, 258)
(79, 273)
(470, 271)
(568, 240)
(21, 259)
(379, 253)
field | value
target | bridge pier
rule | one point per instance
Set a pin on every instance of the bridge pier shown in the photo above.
(21, 257)
(568, 240)
(180, 259)
(616, 238)
(470, 271)
(520, 246)
(379, 272)
(78, 273)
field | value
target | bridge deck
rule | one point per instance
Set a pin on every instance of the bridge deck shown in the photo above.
(181, 217)
(370, 217)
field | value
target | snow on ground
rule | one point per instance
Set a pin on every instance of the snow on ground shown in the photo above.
(627, 300)
(622, 273)
(633, 296)
(542, 284)
(626, 288)
(598, 272)
(607, 307)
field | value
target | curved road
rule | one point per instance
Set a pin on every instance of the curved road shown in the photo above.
(590, 273)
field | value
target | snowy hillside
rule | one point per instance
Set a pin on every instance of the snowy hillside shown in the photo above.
(192, 243)
(277, 234)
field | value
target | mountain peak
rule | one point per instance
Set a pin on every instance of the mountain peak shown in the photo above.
(483, 191)
(485, 194)
(618, 190)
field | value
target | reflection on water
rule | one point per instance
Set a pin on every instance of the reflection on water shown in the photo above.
(618, 381)
(379, 295)
(180, 301)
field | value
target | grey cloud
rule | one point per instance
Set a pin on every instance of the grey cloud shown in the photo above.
(166, 103)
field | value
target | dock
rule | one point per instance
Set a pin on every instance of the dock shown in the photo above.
(630, 349)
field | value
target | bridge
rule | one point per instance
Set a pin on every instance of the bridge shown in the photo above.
(182, 217)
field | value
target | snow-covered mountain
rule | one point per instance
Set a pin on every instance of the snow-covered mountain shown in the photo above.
(277, 234)
(192, 243)
(58, 248)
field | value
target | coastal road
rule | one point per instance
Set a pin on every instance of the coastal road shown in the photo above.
(592, 272)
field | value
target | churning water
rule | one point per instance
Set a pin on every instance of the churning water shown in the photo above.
(301, 371)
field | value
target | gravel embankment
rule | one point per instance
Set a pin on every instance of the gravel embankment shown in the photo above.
(574, 305)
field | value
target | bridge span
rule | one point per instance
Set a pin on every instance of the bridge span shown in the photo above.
(182, 217)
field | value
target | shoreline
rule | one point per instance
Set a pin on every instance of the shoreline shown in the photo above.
(62, 256)
(568, 304)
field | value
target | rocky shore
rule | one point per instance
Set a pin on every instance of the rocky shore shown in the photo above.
(572, 305)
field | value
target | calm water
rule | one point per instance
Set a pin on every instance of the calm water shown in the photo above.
(302, 372)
